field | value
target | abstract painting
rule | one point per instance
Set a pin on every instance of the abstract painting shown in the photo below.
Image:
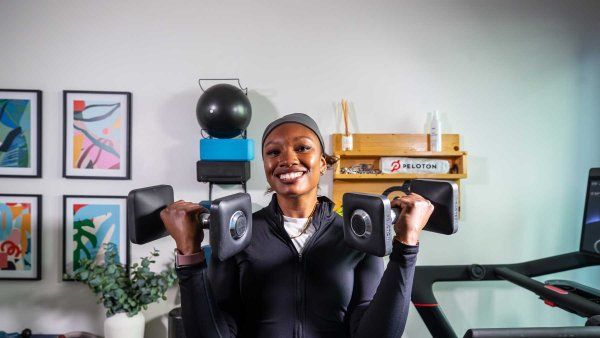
(90, 222)
(20, 237)
(20, 133)
(97, 135)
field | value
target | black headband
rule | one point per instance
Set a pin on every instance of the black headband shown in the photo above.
(299, 118)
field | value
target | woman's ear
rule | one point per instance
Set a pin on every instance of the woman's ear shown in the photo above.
(323, 165)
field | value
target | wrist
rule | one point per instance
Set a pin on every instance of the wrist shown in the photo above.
(189, 260)
(410, 238)
(188, 248)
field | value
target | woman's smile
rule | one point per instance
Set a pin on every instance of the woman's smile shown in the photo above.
(290, 176)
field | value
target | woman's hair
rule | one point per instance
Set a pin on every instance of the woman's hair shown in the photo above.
(331, 160)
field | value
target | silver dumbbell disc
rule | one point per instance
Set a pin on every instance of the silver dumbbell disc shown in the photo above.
(238, 224)
(360, 223)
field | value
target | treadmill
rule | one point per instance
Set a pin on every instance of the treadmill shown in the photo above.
(568, 295)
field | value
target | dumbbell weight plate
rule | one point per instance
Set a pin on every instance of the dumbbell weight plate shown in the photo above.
(444, 197)
(367, 223)
(143, 213)
(230, 225)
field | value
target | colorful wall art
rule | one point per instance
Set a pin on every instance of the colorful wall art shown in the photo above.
(20, 237)
(20, 133)
(89, 223)
(97, 134)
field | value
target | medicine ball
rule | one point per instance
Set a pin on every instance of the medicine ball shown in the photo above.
(224, 111)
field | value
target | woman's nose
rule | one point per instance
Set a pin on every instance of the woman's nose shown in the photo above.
(288, 158)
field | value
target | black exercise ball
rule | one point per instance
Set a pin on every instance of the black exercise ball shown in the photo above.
(224, 111)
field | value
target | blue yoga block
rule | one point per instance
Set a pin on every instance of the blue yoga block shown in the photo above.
(219, 149)
(205, 204)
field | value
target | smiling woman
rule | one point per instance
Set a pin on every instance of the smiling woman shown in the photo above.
(294, 155)
(293, 161)
(297, 277)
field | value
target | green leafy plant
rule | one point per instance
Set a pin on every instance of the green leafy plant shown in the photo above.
(120, 292)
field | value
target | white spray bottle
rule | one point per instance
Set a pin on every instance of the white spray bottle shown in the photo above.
(435, 133)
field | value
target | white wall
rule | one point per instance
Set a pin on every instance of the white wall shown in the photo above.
(518, 80)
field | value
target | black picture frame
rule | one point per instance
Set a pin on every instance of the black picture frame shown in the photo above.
(36, 224)
(68, 229)
(35, 146)
(112, 101)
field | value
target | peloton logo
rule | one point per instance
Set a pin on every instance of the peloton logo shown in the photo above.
(397, 164)
(597, 246)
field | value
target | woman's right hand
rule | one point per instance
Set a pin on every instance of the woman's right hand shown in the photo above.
(181, 221)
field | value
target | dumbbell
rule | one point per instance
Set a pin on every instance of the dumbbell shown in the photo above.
(229, 219)
(369, 218)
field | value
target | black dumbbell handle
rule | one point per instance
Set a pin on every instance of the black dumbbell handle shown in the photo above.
(203, 220)
(405, 188)
(395, 213)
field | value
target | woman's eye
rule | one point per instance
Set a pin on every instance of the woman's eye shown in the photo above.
(304, 148)
(272, 152)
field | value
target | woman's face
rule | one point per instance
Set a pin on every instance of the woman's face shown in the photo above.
(293, 160)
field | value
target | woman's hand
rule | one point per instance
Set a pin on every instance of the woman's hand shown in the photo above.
(181, 221)
(415, 213)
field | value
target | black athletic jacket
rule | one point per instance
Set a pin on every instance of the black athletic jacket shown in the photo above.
(270, 290)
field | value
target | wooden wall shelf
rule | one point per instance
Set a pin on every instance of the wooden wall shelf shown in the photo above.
(393, 153)
(369, 148)
(397, 176)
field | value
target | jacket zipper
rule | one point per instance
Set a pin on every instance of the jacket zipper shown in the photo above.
(300, 284)
(299, 297)
(298, 271)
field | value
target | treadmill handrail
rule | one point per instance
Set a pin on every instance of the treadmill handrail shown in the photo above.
(578, 304)
(536, 332)
(425, 276)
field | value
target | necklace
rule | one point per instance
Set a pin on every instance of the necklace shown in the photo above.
(308, 222)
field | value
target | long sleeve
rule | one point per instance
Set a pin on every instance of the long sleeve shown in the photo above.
(202, 315)
(385, 315)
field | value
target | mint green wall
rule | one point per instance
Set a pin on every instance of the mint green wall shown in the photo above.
(519, 80)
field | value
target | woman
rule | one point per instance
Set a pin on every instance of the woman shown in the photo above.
(297, 278)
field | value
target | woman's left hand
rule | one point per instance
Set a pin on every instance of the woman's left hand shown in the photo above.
(415, 213)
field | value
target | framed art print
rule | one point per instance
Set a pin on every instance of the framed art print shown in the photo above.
(20, 237)
(97, 135)
(20, 133)
(89, 223)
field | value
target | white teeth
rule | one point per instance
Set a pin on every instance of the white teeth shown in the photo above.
(290, 176)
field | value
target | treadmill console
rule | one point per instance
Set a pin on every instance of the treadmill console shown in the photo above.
(590, 234)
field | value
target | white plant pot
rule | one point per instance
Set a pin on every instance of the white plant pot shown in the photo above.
(121, 326)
